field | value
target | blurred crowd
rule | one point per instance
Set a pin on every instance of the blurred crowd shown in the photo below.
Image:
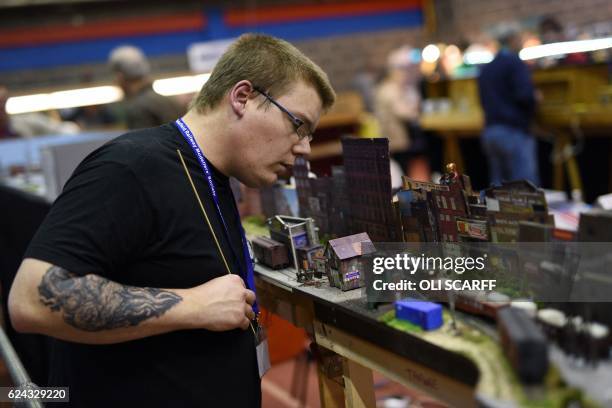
(506, 93)
(395, 95)
(141, 106)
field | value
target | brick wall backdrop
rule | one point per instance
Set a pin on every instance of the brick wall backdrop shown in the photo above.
(345, 56)
(471, 17)
(474, 20)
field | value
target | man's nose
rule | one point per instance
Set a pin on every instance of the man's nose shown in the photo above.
(302, 147)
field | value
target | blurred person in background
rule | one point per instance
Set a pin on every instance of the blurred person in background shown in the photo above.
(42, 123)
(33, 123)
(5, 124)
(552, 31)
(144, 107)
(508, 99)
(365, 82)
(397, 108)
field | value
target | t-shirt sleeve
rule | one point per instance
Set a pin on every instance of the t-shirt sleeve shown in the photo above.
(100, 222)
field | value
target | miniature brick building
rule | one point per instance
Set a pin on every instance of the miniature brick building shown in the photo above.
(535, 232)
(472, 229)
(345, 268)
(308, 254)
(273, 201)
(302, 185)
(418, 212)
(452, 203)
(324, 198)
(430, 211)
(511, 203)
(368, 182)
(340, 208)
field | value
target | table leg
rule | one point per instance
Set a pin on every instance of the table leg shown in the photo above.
(562, 142)
(330, 375)
(358, 385)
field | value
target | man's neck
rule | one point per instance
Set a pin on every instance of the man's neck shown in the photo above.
(210, 138)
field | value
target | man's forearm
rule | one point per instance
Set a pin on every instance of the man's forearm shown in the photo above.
(93, 309)
(93, 303)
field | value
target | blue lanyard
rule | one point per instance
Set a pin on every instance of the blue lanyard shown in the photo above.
(249, 275)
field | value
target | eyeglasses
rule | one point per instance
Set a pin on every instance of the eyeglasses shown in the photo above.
(301, 128)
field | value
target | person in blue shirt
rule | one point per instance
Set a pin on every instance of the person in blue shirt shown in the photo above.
(508, 99)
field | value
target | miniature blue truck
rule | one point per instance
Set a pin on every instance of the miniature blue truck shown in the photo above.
(427, 315)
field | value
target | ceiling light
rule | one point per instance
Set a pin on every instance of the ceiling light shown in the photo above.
(566, 47)
(73, 98)
(180, 85)
(431, 53)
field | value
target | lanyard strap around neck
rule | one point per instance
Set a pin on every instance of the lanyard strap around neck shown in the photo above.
(248, 275)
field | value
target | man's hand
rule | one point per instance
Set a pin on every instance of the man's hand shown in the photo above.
(91, 309)
(222, 304)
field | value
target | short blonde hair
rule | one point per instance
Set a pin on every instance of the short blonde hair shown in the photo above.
(267, 62)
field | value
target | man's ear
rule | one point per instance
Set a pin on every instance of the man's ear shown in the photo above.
(239, 95)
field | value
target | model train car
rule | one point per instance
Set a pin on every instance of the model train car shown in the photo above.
(270, 252)
(473, 301)
(481, 303)
(524, 344)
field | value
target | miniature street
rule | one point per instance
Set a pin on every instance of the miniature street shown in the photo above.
(500, 332)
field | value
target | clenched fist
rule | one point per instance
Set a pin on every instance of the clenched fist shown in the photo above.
(221, 304)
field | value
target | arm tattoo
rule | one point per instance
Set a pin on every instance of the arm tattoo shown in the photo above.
(93, 303)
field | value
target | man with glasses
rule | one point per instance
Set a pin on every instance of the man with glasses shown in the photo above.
(301, 128)
(129, 272)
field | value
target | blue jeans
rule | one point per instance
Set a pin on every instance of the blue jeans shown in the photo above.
(511, 154)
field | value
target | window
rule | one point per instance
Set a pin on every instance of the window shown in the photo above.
(452, 202)
(444, 202)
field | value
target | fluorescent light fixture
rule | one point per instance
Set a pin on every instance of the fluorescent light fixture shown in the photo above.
(28, 103)
(566, 47)
(180, 85)
(86, 96)
(98, 95)
(478, 57)
(431, 53)
(63, 99)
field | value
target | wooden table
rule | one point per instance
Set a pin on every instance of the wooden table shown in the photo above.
(349, 356)
(573, 99)
(451, 127)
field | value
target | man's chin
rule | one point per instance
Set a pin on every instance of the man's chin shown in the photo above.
(261, 182)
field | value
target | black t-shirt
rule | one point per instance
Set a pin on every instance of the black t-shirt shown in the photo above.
(128, 213)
